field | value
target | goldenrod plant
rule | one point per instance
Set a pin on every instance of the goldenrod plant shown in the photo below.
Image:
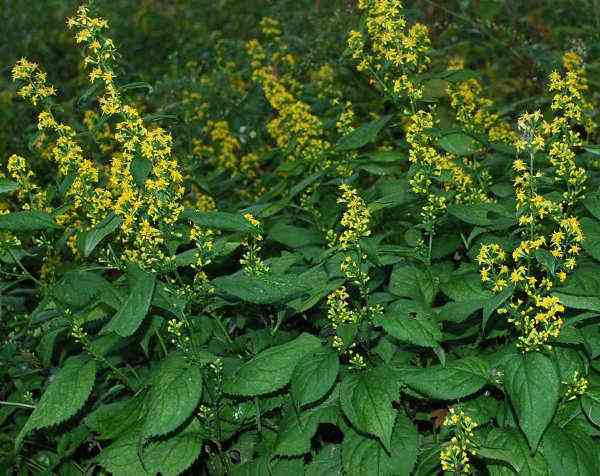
(299, 237)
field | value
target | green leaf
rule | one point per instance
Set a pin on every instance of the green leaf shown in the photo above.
(513, 442)
(483, 214)
(7, 186)
(590, 404)
(592, 203)
(366, 399)
(591, 231)
(294, 236)
(409, 280)
(456, 380)
(140, 169)
(27, 221)
(297, 430)
(219, 220)
(112, 420)
(269, 288)
(314, 376)
(570, 451)
(271, 369)
(92, 238)
(533, 386)
(167, 456)
(364, 456)
(65, 396)
(327, 462)
(459, 143)
(133, 311)
(362, 135)
(175, 391)
(407, 323)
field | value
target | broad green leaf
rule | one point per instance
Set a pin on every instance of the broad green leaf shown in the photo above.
(592, 203)
(175, 391)
(271, 369)
(7, 186)
(327, 462)
(140, 169)
(570, 451)
(590, 404)
(366, 399)
(219, 220)
(591, 231)
(65, 396)
(459, 143)
(168, 456)
(78, 289)
(93, 237)
(314, 376)
(133, 311)
(456, 380)
(533, 386)
(483, 214)
(267, 288)
(296, 430)
(362, 135)
(112, 420)
(513, 442)
(364, 456)
(27, 221)
(294, 236)
(409, 280)
(407, 323)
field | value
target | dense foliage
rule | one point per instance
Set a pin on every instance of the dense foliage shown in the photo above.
(299, 237)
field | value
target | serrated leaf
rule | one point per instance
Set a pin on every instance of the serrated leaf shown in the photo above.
(570, 451)
(267, 288)
(133, 311)
(175, 391)
(93, 237)
(409, 280)
(114, 419)
(456, 380)
(366, 400)
(314, 376)
(271, 369)
(459, 143)
(327, 462)
(406, 322)
(590, 404)
(362, 135)
(513, 442)
(219, 220)
(27, 221)
(483, 214)
(533, 386)
(168, 456)
(65, 396)
(7, 186)
(591, 232)
(296, 430)
(364, 456)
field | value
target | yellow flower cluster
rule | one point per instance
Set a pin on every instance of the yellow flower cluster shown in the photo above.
(455, 456)
(33, 81)
(491, 260)
(355, 219)
(473, 111)
(29, 195)
(251, 261)
(390, 51)
(576, 387)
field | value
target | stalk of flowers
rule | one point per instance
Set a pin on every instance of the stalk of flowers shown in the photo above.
(570, 111)
(345, 318)
(150, 203)
(390, 51)
(474, 111)
(456, 455)
(88, 201)
(574, 65)
(251, 261)
(538, 264)
(435, 177)
(29, 195)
